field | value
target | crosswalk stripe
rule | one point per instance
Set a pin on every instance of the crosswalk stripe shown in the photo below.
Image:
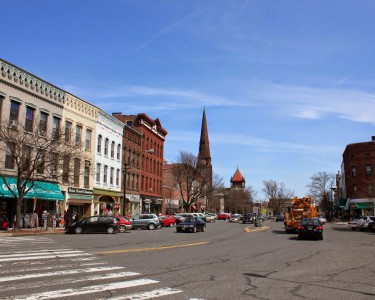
(57, 273)
(147, 295)
(42, 257)
(86, 290)
(40, 253)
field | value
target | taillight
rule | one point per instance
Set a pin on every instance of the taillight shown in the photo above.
(319, 227)
(300, 227)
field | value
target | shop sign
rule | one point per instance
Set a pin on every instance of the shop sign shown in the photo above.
(80, 191)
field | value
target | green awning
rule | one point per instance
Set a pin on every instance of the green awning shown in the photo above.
(41, 190)
(364, 205)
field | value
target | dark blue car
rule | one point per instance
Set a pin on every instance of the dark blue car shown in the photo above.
(191, 224)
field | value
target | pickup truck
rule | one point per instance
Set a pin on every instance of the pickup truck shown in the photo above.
(361, 223)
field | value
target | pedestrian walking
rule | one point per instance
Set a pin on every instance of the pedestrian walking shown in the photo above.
(67, 219)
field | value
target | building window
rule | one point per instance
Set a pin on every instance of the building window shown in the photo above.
(117, 177)
(14, 111)
(29, 122)
(43, 123)
(66, 170)
(99, 149)
(68, 131)
(113, 150)
(354, 190)
(111, 174)
(53, 164)
(26, 157)
(118, 151)
(129, 123)
(106, 142)
(41, 162)
(88, 139)
(353, 171)
(56, 128)
(105, 174)
(98, 166)
(9, 159)
(368, 169)
(370, 189)
(77, 169)
(78, 135)
(86, 175)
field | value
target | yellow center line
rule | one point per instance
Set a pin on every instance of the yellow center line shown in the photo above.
(249, 229)
(152, 248)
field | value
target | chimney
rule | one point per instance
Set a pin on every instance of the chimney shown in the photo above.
(373, 138)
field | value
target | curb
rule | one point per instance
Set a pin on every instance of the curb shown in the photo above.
(30, 232)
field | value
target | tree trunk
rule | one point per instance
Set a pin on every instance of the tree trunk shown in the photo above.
(18, 213)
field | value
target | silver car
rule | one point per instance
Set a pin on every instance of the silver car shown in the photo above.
(149, 221)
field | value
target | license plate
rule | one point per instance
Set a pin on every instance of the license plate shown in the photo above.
(309, 228)
(183, 228)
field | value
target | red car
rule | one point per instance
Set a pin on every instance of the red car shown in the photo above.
(223, 216)
(167, 221)
(123, 224)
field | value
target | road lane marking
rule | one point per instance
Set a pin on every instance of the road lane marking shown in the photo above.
(152, 248)
(250, 229)
(147, 295)
(9, 259)
(87, 290)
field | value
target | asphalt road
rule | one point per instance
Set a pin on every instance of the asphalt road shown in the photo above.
(227, 261)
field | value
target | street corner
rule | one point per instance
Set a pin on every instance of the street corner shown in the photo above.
(254, 229)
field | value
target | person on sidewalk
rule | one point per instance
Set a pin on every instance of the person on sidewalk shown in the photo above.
(67, 219)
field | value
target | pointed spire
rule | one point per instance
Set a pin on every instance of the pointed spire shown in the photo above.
(204, 155)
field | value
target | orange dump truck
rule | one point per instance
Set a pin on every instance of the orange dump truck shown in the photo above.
(299, 208)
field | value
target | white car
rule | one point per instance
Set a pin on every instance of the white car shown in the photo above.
(361, 223)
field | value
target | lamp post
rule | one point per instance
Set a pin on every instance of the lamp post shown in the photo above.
(126, 165)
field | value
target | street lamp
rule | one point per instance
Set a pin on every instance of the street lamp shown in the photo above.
(126, 165)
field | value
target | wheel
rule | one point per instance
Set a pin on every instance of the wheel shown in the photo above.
(151, 226)
(110, 230)
(204, 228)
(122, 228)
(299, 237)
(321, 237)
(195, 229)
(171, 225)
(353, 228)
(78, 230)
(362, 229)
(178, 229)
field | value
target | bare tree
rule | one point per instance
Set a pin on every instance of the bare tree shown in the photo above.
(194, 181)
(30, 153)
(277, 194)
(320, 188)
(240, 200)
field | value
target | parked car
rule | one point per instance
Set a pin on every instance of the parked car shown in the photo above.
(371, 226)
(149, 221)
(322, 219)
(235, 218)
(209, 218)
(223, 216)
(361, 223)
(248, 218)
(279, 218)
(199, 215)
(310, 228)
(123, 224)
(192, 224)
(213, 215)
(94, 224)
(167, 220)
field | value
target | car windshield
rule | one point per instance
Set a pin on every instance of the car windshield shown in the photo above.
(310, 222)
(190, 219)
(235, 216)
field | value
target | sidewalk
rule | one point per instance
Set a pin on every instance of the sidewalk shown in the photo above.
(32, 231)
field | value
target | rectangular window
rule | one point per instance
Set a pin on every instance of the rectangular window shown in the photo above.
(117, 177)
(106, 142)
(368, 169)
(88, 139)
(86, 175)
(66, 170)
(14, 111)
(370, 189)
(118, 151)
(99, 149)
(353, 171)
(53, 164)
(56, 128)
(68, 131)
(43, 123)
(77, 170)
(9, 158)
(354, 189)
(41, 161)
(111, 176)
(105, 171)
(26, 157)
(78, 135)
(98, 166)
(29, 122)
(113, 150)
(129, 123)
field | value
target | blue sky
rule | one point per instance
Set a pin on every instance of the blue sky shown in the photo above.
(286, 84)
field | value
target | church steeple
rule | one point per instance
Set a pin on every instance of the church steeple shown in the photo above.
(204, 155)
